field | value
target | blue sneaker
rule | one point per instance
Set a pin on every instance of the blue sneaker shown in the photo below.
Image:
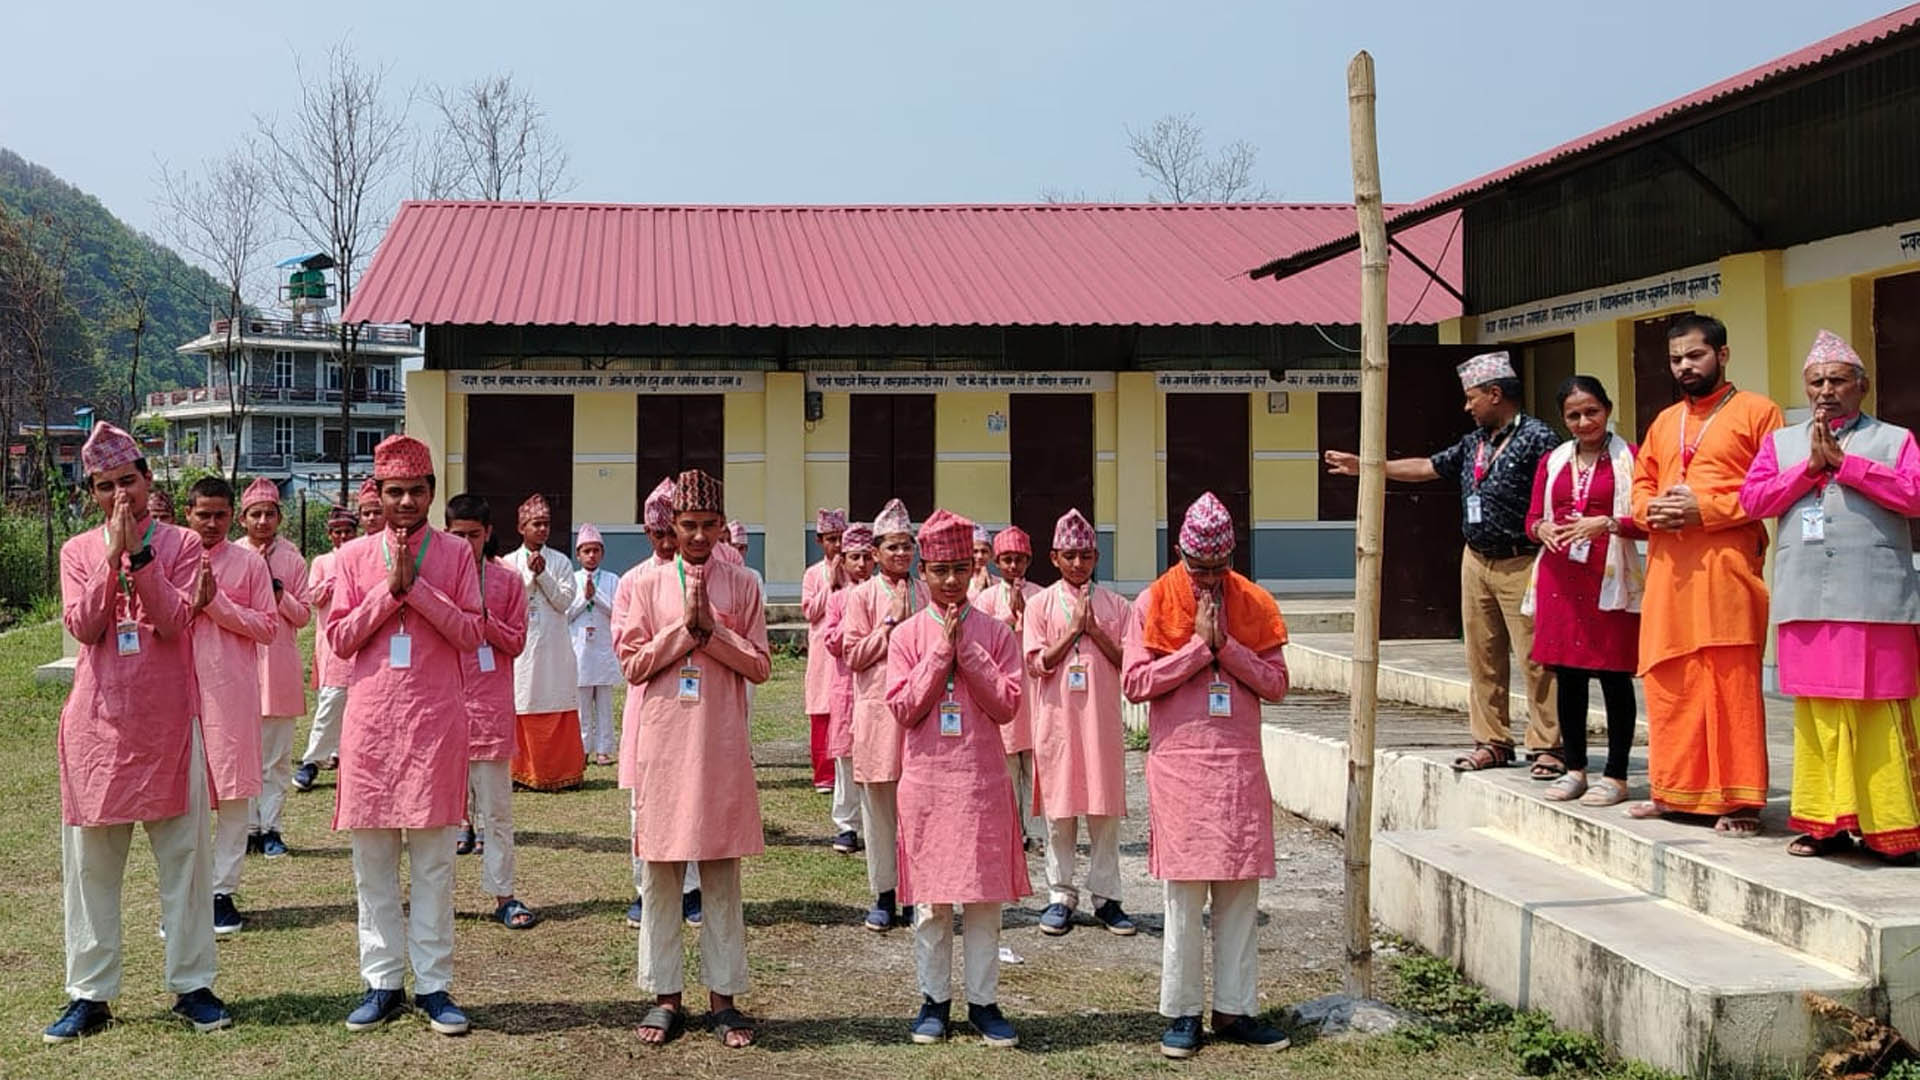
(305, 775)
(226, 918)
(443, 1015)
(633, 914)
(847, 842)
(1115, 920)
(82, 1018)
(1056, 920)
(994, 1029)
(378, 1007)
(931, 1025)
(204, 1011)
(271, 845)
(690, 908)
(1182, 1039)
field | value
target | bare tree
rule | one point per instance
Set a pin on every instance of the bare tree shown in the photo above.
(334, 162)
(220, 216)
(37, 321)
(492, 143)
(1172, 156)
(134, 286)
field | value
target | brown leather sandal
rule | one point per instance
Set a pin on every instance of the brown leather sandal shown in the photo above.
(1484, 756)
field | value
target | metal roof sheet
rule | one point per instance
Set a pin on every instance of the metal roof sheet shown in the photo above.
(852, 266)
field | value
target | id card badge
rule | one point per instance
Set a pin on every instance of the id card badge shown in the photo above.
(400, 652)
(590, 631)
(1219, 699)
(127, 637)
(1077, 676)
(690, 683)
(485, 655)
(1813, 525)
(1473, 510)
(1580, 551)
(950, 718)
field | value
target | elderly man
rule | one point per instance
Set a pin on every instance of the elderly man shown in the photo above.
(1704, 617)
(330, 671)
(1846, 600)
(1203, 650)
(129, 744)
(547, 753)
(283, 690)
(1494, 466)
(406, 608)
(692, 638)
(817, 585)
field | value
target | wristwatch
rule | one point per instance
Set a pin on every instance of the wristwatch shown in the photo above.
(1613, 525)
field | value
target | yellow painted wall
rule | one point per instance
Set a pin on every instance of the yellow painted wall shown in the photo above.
(1106, 468)
(745, 434)
(1605, 351)
(426, 420)
(973, 488)
(826, 481)
(1135, 509)
(605, 492)
(1752, 302)
(785, 512)
(1284, 490)
(456, 475)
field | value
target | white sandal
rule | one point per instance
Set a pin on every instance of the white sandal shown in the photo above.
(1605, 791)
(1566, 788)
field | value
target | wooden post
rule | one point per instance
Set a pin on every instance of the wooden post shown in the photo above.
(1369, 518)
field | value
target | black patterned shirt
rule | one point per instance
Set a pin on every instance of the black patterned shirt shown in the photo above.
(1505, 490)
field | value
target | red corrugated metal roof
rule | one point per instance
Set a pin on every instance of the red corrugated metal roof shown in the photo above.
(846, 266)
(1754, 78)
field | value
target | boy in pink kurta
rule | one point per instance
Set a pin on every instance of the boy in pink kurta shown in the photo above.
(329, 669)
(227, 635)
(1203, 649)
(872, 612)
(491, 717)
(129, 745)
(1007, 600)
(856, 565)
(406, 607)
(283, 693)
(694, 638)
(821, 581)
(953, 681)
(1072, 647)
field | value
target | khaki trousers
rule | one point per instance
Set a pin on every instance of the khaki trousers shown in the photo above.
(490, 808)
(230, 844)
(93, 866)
(423, 933)
(1490, 595)
(980, 949)
(1236, 959)
(276, 772)
(692, 881)
(723, 929)
(846, 797)
(1103, 849)
(323, 741)
(1020, 771)
(879, 804)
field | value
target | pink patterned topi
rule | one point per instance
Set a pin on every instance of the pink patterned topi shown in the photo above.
(1831, 348)
(857, 538)
(697, 490)
(1012, 538)
(827, 522)
(1484, 369)
(588, 535)
(736, 532)
(657, 515)
(262, 490)
(369, 493)
(893, 519)
(401, 457)
(1073, 532)
(1207, 531)
(340, 515)
(535, 508)
(108, 448)
(946, 537)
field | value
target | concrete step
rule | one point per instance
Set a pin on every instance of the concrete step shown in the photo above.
(786, 633)
(1654, 980)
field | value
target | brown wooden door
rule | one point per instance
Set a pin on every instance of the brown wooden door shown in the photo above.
(677, 432)
(1653, 385)
(518, 444)
(1420, 573)
(890, 454)
(1896, 351)
(1050, 437)
(1207, 450)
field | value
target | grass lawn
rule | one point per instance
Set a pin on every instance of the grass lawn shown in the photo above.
(559, 1000)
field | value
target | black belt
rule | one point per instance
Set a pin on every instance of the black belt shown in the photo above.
(1504, 551)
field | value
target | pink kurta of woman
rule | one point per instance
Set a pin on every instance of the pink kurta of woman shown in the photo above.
(227, 636)
(1209, 811)
(490, 713)
(960, 839)
(126, 733)
(283, 691)
(996, 602)
(626, 767)
(403, 741)
(1079, 740)
(839, 677)
(694, 796)
(863, 641)
(815, 589)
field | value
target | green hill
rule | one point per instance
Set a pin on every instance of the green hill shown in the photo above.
(180, 294)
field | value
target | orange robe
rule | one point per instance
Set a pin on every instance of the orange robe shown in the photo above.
(1703, 622)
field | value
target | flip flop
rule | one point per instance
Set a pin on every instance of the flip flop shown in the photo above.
(1808, 846)
(1565, 789)
(726, 1022)
(1548, 765)
(670, 1021)
(1605, 791)
(1743, 826)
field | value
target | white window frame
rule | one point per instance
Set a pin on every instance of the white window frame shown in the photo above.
(283, 436)
(377, 435)
(285, 364)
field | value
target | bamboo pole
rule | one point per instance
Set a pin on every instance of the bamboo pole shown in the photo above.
(1370, 515)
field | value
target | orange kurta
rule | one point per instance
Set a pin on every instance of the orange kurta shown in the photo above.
(1703, 622)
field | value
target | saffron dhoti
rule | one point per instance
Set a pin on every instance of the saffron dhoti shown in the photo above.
(1707, 731)
(547, 753)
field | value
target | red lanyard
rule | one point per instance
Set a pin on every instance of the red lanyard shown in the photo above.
(1481, 462)
(1583, 481)
(1688, 450)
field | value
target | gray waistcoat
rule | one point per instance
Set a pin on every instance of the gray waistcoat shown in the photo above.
(1863, 570)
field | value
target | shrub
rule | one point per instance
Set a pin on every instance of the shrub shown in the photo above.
(1544, 1049)
(1430, 987)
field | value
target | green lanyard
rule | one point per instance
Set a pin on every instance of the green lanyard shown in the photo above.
(145, 542)
(418, 559)
(965, 610)
(1066, 608)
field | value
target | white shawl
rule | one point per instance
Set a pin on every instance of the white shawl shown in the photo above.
(1623, 578)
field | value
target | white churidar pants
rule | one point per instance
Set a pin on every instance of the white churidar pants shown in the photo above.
(276, 772)
(723, 931)
(323, 741)
(229, 844)
(1236, 960)
(846, 797)
(1103, 864)
(93, 865)
(389, 937)
(880, 804)
(490, 806)
(596, 719)
(980, 949)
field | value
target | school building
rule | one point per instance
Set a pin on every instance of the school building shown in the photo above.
(1004, 362)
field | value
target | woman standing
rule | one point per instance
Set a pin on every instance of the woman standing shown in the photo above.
(1585, 597)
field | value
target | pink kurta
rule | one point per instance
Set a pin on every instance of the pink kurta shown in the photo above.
(626, 767)
(1209, 811)
(490, 713)
(996, 602)
(403, 742)
(815, 589)
(1079, 740)
(863, 641)
(839, 678)
(960, 837)
(227, 636)
(332, 668)
(283, 691)
(693, 795)
(125, 731)
(1855, 661)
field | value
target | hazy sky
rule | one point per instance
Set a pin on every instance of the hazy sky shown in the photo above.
(823, 101)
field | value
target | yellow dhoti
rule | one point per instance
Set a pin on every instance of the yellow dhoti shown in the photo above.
(1854, 770)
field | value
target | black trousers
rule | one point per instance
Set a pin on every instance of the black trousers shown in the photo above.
(1616, 689)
